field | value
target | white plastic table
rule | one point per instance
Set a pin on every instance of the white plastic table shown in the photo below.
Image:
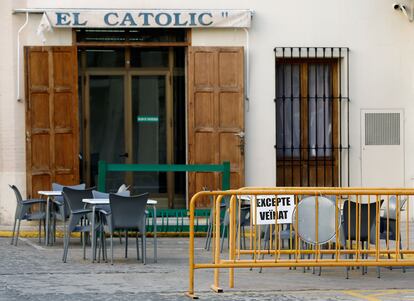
(95, 202)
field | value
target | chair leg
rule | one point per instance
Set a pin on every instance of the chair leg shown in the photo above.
(112, 249)
(17, 234)
(222, 238)
(39, 231)
(302, 255)
(207, 244)
(126, 244)
(144, 247)
(320, 268)
(364, 268)
(137, 243)
(44, 231)
(378, 272)
(83, 236)
(95, 242)
(264, 248)
(402, 255)
(66, 247)
(347, 268)
(54, 230)
(244, 238)
(105, 253)
(14, 231)
(98, 245)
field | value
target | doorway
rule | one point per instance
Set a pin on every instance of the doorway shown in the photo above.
(133, 111)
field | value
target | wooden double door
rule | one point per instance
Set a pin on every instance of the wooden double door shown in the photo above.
(128, 117)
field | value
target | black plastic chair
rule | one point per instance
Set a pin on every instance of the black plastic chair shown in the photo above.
(24, 212)
(350, 224)
(128, 213)
(107, 210)
(60, 210)
(78, 216)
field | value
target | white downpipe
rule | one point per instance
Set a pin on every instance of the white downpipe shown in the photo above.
(19, 57)
(247, 77)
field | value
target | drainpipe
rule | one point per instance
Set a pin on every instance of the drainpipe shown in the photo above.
(18, 56)
(247, 79)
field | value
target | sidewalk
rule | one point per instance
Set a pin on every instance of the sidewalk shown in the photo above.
(34, 272)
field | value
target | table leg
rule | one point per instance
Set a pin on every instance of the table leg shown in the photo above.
(47, 221)
(154, 222)
(93, 234)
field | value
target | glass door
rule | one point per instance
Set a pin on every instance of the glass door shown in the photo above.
(150, 131)
(106, 126)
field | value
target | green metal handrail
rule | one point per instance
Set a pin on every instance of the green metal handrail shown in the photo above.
(224, 168)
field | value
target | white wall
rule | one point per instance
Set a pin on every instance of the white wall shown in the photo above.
(12, 166)
(381, 69)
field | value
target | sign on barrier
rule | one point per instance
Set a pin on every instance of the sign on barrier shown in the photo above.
(266, 213)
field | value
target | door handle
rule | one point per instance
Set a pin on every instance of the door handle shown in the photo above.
(240, 134)
(124, 155)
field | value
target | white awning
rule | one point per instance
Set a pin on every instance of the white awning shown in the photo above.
(146, 18)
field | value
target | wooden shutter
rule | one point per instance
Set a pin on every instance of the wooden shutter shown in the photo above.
(52, 130)
(216, 114)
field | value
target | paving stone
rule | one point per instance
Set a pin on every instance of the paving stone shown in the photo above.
(32, 271)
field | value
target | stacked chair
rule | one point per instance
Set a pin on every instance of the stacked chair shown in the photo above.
(25, 211)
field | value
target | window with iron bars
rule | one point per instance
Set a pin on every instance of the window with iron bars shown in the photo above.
(312, 116)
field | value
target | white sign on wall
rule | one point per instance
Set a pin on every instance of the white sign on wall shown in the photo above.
(150, 18)
(265, 206)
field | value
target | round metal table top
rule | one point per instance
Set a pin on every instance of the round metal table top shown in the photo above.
(306, 215)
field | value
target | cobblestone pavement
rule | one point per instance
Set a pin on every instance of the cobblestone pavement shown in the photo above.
(34, 272)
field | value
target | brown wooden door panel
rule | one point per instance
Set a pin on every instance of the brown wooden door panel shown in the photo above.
(39, 182)
(40, 159)
(63, 116)
(40, 111)
(38, 69)
(230, 63)
(215, 115)
(230, 111)
(204, 110)
(204, 148)
(204, 63)
(51, 117)
(229, 150)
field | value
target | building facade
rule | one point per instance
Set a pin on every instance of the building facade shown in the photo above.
(298, 93)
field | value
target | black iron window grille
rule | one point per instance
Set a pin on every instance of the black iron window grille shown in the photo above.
(312, 116)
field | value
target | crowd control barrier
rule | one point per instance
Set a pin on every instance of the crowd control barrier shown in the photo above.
(306, 227)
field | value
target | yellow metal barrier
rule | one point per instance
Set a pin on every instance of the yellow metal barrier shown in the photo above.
(324, 227)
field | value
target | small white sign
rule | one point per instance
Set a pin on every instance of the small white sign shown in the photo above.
(266, 209)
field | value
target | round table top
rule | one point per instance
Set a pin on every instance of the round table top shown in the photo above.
(306, 214)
